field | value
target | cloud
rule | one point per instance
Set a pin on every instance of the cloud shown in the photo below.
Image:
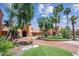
(8, 5)
(69, 16)
(41, 8)
(43, 15)
(49, 9)
(63, 21)
(44, 9)
(75, 7)
(64, 17)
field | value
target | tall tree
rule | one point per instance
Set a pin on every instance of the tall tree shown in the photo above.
(44, 24)
(6, 23)
(25, 12)
(73, 20)
(10, 22)
(57, 10)
(41, 23)
(67, 11)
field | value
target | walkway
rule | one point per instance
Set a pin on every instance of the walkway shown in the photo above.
(67, 45)
(72, 46)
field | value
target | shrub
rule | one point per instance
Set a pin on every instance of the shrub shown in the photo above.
(45, 34)
(51, 37)
(5, 45)
(2, 38)
(8, 53)
(77, 32)
(66, 32)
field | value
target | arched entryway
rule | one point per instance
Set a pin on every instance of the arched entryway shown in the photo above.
(24, 33)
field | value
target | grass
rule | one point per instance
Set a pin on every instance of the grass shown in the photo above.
(56, 37)
(46, 51)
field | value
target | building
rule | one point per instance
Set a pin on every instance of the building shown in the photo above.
(4, 30)
(36, 32)
(31, 31)
(1, 17)
(26, 31)
(54, 31)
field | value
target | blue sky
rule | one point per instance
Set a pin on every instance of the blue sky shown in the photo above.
(46, 10)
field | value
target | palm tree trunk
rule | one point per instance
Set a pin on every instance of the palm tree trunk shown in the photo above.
(56, 27)
(67, 20)
(8, 33)
(73, 31)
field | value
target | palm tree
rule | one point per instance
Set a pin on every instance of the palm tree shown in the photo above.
(10, 22)
(6, 23)
(73, 20)
(54, 20)
(57, 10)
(25, 12)
(67, 11)
(44, 24)
(41, 24)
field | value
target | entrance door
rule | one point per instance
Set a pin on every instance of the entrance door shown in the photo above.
(24, 33)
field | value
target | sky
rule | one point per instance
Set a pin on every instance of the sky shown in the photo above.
(45, 10)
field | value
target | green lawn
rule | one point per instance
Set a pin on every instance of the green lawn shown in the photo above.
(56, 37)
(46, 51)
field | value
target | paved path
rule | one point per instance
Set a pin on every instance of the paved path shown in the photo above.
(72, 46)
(61, 44)
(17, 51)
